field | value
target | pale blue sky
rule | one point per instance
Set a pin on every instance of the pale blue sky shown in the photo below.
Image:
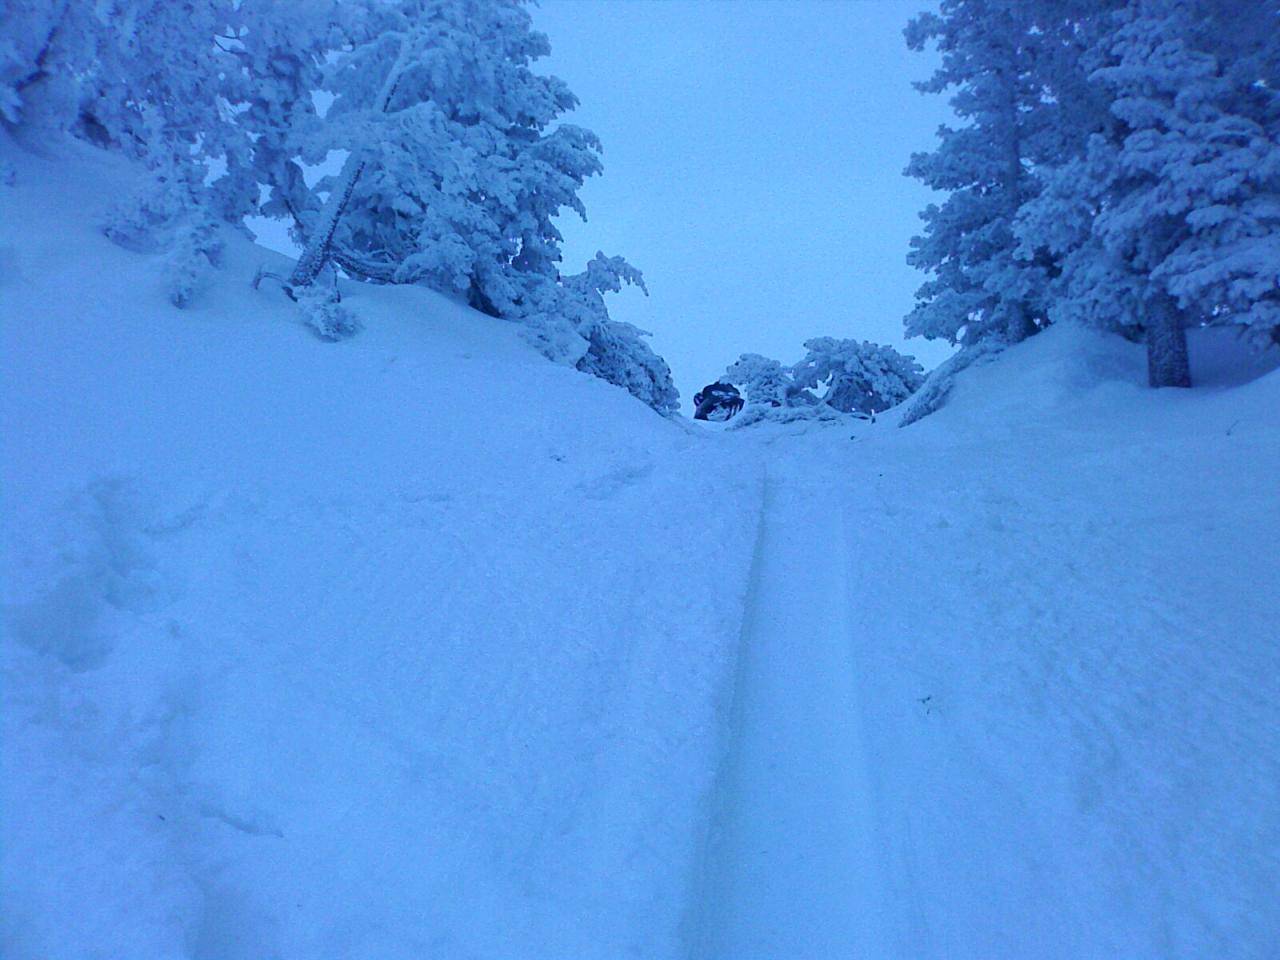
(753, 157)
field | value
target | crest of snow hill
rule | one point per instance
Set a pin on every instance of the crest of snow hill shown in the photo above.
(1117, 162)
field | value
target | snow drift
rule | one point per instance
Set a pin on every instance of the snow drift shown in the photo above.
(406, 646)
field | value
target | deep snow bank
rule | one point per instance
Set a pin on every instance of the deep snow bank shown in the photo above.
(1063, 631)
(406, 646)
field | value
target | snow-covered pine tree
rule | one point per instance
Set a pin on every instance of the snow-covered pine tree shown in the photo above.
(404, 46)
(46, 49)
(1224, 156)
(276, 53)
(201, 93)
(455, 165)
(616, 352)
(160, 98)
(859, 376)
(1169, 216)
(142, 76)
(990, 58)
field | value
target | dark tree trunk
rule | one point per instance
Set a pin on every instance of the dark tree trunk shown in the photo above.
(1018, 325)
(1167, 363)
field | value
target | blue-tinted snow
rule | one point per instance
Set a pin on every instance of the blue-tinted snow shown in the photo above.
(418, 645)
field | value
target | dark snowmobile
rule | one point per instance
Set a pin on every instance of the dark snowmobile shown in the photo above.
(717, 401)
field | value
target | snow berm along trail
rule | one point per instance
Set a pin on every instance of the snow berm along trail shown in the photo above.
(418, 645)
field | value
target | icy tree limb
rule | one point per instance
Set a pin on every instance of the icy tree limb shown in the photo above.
(319, 250)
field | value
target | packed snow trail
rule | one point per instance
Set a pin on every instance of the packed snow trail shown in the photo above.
(791, 869)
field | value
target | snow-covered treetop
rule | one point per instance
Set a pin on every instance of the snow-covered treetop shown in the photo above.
(860, 376)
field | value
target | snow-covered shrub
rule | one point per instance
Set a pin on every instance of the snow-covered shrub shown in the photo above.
(763, 380)
(196, 249)
(324, 313)
(764, 413)
(860, 376)
(771, 393)
(166, 216)
(568, 321)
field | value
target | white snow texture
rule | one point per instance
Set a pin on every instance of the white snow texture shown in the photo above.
(415, 645)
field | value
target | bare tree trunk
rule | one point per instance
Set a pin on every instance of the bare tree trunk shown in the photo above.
(1167, 363)
(319, 250)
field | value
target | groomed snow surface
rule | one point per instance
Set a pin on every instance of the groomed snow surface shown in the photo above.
(417, 645)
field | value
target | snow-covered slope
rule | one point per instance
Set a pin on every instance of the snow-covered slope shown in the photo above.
(405, 646)
(1048, 724)
(417, 645)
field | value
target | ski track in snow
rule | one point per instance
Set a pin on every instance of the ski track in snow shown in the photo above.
(791, 870)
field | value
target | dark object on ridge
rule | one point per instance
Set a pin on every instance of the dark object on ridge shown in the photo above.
(717, 401)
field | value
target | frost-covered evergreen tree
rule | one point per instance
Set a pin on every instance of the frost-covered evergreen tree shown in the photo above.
(159, 97)
(1216, 156)
(1171, 215)
(276, 53)
(615, 352)
(859, 376)
(1117, 167)
(992, 52)
(46, 50)
(456, 165)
